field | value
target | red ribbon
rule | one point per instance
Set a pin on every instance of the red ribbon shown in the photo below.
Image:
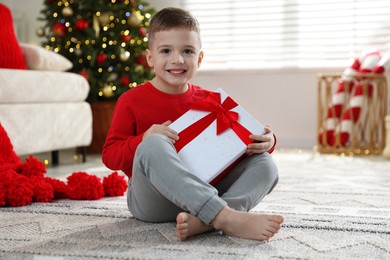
(221, 112)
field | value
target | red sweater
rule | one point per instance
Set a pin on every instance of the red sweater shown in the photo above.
(135, 112)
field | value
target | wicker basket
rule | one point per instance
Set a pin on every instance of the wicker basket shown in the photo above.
(101, 115)
(368, 132)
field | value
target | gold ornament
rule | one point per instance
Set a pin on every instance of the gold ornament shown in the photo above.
(139, 69)
(134, 19)
(78, 52)
(95, 25)
(67, 11)
(112, 77)
(104, 18)
(125, 56)
(107, 91)
(40, 32)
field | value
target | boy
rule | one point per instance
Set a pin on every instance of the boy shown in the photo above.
(140, 143)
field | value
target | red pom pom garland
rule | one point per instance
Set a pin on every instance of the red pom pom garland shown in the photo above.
(32, 168)
(83, 186)
(19, 192)
(22, 183)
(114, 185)
(60, 188)
(42, 190)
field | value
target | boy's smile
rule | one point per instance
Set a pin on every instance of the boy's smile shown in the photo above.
(175, 56)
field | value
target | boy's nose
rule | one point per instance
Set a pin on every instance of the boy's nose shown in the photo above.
(178, 58)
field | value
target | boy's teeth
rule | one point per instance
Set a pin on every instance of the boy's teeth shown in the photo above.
(177, 71)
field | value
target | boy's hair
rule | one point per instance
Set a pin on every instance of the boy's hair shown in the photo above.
(172, 18)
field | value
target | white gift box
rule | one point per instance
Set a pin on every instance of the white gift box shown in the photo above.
(208, 155)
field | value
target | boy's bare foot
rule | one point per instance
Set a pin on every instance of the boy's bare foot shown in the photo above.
(188, 225)
(247, 224)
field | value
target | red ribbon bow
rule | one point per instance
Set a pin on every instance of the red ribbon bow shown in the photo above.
(221, 112)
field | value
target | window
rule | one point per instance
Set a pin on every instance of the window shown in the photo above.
(289, 33)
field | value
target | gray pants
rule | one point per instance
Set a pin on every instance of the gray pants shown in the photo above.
(161, 186)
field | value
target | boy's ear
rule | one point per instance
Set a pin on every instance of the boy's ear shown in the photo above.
(200, 58)
(149, 59)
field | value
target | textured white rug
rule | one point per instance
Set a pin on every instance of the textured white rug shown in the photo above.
(335, 208)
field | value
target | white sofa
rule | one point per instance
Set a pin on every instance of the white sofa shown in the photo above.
(43, 108)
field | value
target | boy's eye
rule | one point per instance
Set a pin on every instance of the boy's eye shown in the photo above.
(188, 51)
(165, 51)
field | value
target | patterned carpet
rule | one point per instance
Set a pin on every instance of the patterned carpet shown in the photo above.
(334, 207)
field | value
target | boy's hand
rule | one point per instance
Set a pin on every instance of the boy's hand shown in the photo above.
(162, 129)
(263, 142)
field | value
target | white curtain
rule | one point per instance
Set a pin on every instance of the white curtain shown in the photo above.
(289, 33)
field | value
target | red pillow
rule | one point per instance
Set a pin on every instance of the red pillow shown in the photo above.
(11, 55)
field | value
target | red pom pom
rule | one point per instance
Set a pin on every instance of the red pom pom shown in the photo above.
(32, 168)
(83, 186)
(19, 192)
(114, 185)
(60, 188)
(43, 191)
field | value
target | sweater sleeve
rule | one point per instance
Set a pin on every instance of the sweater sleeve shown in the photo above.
(122, 140)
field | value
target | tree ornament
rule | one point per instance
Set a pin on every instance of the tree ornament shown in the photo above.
(67, 11)
(40, 32)
(59, 30)
(112, 77)
(133, 3)
(139, 69)
(78, 52)
(125, 56)
(104, 18)
(107, 91)
(141, 60)
(81, 24)
(101, 58)
(85, 74)
(134, 19)
(126, 38)
(142, 31)
(125, 80)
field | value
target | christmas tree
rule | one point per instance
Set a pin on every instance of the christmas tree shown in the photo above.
(104, 39)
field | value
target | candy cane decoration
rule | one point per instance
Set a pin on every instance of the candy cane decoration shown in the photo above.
(383, 64)
(358, 99)
(336, 107)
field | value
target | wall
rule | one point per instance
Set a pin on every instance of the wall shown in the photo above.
(284, 99)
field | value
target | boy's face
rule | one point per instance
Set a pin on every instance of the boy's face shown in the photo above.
(175, 55)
